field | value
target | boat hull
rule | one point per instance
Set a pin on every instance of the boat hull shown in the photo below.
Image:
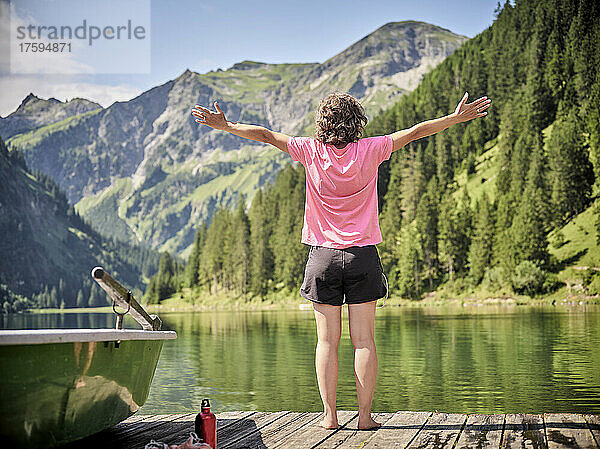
(54, 393)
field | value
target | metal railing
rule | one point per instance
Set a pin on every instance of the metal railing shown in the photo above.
(123, 298)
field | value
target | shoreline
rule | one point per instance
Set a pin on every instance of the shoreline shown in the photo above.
(220, 304)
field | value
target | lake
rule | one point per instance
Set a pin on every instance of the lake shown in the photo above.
(486, 359)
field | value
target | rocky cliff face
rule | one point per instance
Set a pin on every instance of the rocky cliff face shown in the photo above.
(144, 170)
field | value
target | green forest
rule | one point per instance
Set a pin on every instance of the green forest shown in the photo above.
(35, 269)
(480, 205)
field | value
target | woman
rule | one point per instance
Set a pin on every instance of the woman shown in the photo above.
(342, 228)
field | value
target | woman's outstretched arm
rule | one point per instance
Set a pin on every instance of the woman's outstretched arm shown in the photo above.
(217, 120)
(463, 113)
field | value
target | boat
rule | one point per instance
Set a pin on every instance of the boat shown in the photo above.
(60, 385)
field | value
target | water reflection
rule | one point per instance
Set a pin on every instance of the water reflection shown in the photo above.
(488, 359)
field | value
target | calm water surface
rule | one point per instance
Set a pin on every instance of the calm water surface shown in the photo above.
(487, 359)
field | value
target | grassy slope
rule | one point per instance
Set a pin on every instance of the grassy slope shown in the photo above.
(100, 208)
(579, 247)
(254, 163)
(31, 138)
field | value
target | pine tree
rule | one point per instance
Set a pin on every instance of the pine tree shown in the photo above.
(216, 250)
(240, 255)
(151, 294)
(193, 265)
(464, 225)
(288, 254)
(427, 230)
(454, 233)
(408, 277)
(165, 276)
(80, 299)
(62, 290)
(445, 162)
(97, 298)
(391, 220)
(571, 173)
(259, 248)
(530, 226)
(413, 184)
(480, 251)
(53, 301)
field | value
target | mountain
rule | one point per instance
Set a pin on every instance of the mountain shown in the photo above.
(34, 112)
(143, 170)
(47, 249)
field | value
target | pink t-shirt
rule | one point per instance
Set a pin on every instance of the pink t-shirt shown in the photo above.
(341, 190)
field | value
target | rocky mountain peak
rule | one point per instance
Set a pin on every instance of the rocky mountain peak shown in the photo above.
(29, 98)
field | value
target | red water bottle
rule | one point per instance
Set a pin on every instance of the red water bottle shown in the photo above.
(206, 424)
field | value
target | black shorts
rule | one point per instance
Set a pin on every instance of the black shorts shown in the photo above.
(336, 276)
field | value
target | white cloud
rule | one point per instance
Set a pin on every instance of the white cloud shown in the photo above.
(15, 88)
(22, 61)
(82, 44)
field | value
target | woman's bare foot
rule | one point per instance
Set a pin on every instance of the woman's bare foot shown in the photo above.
(368, 424)
(328, 422)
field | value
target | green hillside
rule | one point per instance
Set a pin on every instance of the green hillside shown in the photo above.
(47, 249)
(474, 207)
(574, 244)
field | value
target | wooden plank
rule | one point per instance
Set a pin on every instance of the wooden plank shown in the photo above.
(138, 426)
(350, 436)
(241, 429)
(523, 431)
(226, 419)
(136, 418)
(481, 431)
(309, 421)
(594, 425)
(399, 430)
(310, 434)
(175, 431)
(440, 431)
(568, 430)
(277, 430)
(281, 437)
(118, 435)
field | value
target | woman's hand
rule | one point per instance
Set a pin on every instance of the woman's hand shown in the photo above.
(215, 120)
(465, 112)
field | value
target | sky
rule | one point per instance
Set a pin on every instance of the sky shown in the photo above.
(199, 35)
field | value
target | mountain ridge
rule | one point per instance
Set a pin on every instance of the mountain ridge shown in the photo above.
(108, 153)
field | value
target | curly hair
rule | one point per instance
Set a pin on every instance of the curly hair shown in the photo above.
(340, 119)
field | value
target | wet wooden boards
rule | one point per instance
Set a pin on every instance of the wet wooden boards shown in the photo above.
(401, 430)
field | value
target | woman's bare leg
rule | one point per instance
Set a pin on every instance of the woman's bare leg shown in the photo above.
(362, 333)
(329, 330)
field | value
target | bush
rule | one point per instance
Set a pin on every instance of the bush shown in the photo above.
(528, 278)
(559, 239)
(592, 284)
(494, 278)
(470, 164)
(551, 282)
(459, 286)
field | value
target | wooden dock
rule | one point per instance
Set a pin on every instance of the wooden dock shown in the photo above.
(402, 430)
